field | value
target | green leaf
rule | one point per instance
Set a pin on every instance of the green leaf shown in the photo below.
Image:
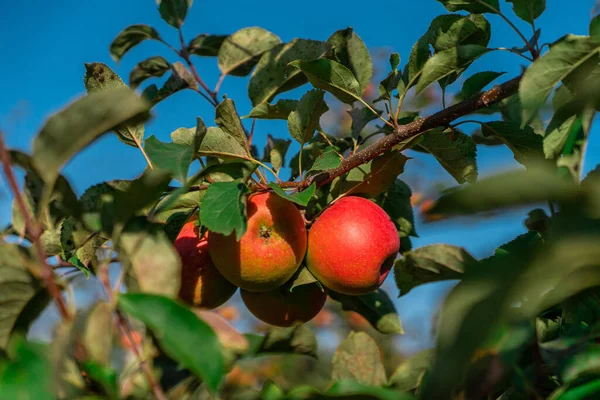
(436, 262)
(563, 58)
(191, 137)
(508, 189)
(524, 143)
(275, 151)
(358, 359)
(27, 372)
(360, 118)
(279, 110)
(394, 61)
(181, 78)
(477, 82)
(85, 120)
(396, 203)
(331, 76)
(374, 177)
(130, 37)
(178, 330)
(97, 333)
(229, 121)
(595, 28)
(273, 75)
(587, 390)
(223, 208)
(409, 374)
(76, 262)
(220, 144)
(240, 52)
(302, 277)
(451, 30)
(393, 81)
(297, 339)
(303, 122)
(151, 67)
(448, 62)
(155, 264)
(106, 377)
(98, 77)
(355, 390)
(228, 172)
(19, 288)
(528, 10)
(454, 150)
(174, 11)
(564, 120)
(184, 204)
(301, 198)
(172, 157)
(329, 159)
(206, 45)
(309, 153)
(349, 49)
(139, 194)
(419, 55)
(472, 6)
(376, 307)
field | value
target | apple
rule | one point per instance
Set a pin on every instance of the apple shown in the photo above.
(271, 249)
(352, 245)
(280, 307)
(202, 285)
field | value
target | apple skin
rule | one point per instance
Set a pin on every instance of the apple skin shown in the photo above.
(271, 249)
(202, 285)
(280, 307)
(352, 245)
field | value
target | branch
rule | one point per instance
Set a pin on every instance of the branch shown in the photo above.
(186, 56)
(404, 132)
(35, 231)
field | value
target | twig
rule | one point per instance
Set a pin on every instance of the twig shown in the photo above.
(125, 329)
(219, 83)
(139, 145)
(514, 52)
(35, 232)
(186, 56)
(533, 52)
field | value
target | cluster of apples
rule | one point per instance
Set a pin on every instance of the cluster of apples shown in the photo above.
(350, 249)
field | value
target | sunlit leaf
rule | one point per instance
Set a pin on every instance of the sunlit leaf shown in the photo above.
(100, 76)
(223, 208)
(130, 37)
(240, 52)
(376, 307)
(436, 262)
(358, 359)
(85, 120)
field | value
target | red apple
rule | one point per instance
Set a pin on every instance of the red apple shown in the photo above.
(352, 246)
(270, 251)
(281, 307)
(202, 285)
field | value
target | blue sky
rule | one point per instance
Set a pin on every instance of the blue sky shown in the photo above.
(45, 45)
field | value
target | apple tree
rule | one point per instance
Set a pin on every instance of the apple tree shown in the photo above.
(212, 213)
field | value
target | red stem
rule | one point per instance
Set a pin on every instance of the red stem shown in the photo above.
(35, 232)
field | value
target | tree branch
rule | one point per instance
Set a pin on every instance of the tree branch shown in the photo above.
(404, 132)
(35, 232)
(186, 56)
